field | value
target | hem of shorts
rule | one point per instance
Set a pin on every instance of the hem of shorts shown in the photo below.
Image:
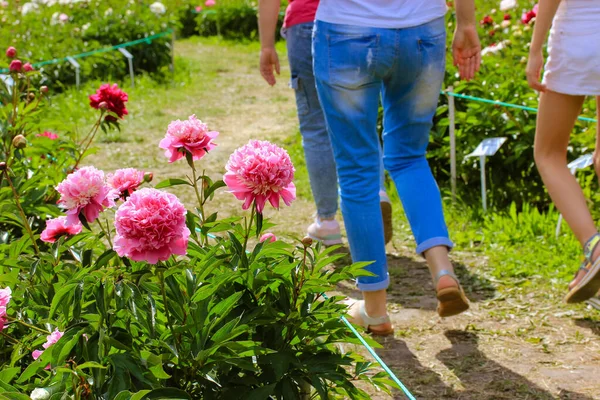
(434, 242)
(373, 287)
(570, 90)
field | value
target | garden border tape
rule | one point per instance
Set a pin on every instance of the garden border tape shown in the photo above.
(147, 40)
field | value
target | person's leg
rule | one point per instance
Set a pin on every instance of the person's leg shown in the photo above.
(315, 138)
(345, 58)
(556, 117)
(410, 97)
(384, 201)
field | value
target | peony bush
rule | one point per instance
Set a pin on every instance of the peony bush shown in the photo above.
(111, 288)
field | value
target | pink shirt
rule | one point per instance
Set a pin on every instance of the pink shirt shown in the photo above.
(300, 11)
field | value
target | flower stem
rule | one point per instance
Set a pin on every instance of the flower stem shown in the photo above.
(10, 338)
(25, 324)
(106, 234)
(91, 136)
(203, 239)
(161, 277)
(22, 212)
(249, 226)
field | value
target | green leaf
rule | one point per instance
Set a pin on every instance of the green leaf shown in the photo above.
(8, 374)
(90, 365)
(14, 396)
(171, 182)
(105, 258)
(261, 393)
(65, 292)
(167, 393)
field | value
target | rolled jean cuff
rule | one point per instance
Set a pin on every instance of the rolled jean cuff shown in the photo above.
(434, 242)
(373, 287)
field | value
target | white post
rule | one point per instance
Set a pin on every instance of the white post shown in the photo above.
(452, 120)
(173, 51)
(560, 218)
(75, 64)
(483, 186)
(129, 57)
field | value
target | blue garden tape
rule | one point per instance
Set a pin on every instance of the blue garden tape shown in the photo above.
(503, 104)
(371, 351)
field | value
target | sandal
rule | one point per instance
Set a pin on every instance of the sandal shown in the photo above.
(451, 300)
(370, 323)
(589, 284)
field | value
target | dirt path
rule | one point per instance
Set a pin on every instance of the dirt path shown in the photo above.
(514, 343)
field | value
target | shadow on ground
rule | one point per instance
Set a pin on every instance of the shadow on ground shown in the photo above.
(411, 285)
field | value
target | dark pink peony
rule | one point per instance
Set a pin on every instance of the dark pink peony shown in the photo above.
(85, 191)
(529, 15)
(15, 66)
(11, 52)
(5, 296)
(268, 237)
(57, 227)
(28, 67)
(50, 340)
(151, 226)
(192, 136)
(48, 134)
(260, 171)
(112, 98)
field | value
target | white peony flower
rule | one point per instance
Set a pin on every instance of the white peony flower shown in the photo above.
(28, 7)
(507, 4)
(158, 8)
(39, 394)
(108, 12)
(493, 49)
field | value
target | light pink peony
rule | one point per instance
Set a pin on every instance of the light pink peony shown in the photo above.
(85, 191)
(270, 237)
(191, 135)
(48, 134)
(5, 296)
(198, 9)
(260, 171)
(151, 226)
(2, 323)
(125, 181)
(209, 3)
(57, 227)
(50, 340)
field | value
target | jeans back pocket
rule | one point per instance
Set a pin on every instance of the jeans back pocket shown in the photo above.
(352, 59)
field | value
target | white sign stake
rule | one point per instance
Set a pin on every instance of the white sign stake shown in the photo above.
(582, 162)
(486, 148)
(129, 57)
(452, 121)
(75, 64)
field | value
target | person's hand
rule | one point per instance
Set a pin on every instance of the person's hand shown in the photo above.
(534, 70)
(269, 61)
(466, 51)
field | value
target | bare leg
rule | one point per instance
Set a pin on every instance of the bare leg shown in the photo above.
(556, 118)
(437, 260)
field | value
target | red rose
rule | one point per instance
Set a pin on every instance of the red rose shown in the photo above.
(111, 98)
(487, 20)
(507, 17)
(11, 52)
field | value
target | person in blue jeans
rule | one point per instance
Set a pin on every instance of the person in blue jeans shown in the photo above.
(394, 50)
(298, 27)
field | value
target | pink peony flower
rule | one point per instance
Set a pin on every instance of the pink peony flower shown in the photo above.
(15, 66)
(112, 98)
(191, 135)
(28, 67)
(5, 296)
(2, 323)
(63, 17)
(57, 227)
(529, 15)
(11, 52)
(151, 226)
(270, 237)
(84, 191)
(125, 181)
(198, 9)
(50, 340)
(48, 134)
(209, 3)
(260, 171)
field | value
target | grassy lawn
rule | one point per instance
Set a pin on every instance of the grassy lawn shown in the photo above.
(518, 341)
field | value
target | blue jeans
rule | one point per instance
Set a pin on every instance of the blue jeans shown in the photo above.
(355, 67)
(315, 138)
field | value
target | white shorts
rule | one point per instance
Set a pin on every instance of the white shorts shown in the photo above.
(573, 65)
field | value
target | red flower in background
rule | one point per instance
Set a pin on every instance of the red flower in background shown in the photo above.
(15, 66)
(487, 20)
(112, 98)
(11, 52)
(529, 15)
(507, 17)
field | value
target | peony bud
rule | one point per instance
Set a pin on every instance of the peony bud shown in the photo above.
(11, 52)
(31, 96)
(40, 394)
(2, 166)
(102, 105)
(15, 66)
(307, 241)
(44, 89)
(28, 67)
(148, 176)
(19, 142)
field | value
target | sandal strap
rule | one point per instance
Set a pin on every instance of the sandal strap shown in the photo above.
(590, 246)
(445, 272)
(367, 320)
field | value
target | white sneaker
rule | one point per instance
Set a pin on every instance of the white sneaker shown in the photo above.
(327, 231)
